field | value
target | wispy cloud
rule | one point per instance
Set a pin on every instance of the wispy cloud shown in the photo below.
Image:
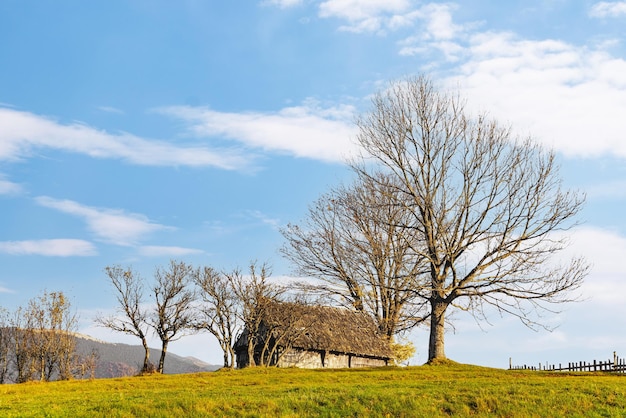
(611, 190)
(266, 220)
(608, 9)
(568, 97)
(283, 4)
(165, 251)
(378, 17)
(604, 250)
(21, 132)
(365, 15)
(110, 109)
(436, 30)
(5, 290)
(8, 188)
(303, 131)
(437, 33)
(49, 247)
(110, 225)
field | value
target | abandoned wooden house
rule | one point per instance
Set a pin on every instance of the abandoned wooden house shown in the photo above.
(297, 335)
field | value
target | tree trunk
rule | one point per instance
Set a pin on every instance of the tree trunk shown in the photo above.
(231, 354)
(162, 359)
(146, 356)
(436, 347)
(251, 359)
(226, 362)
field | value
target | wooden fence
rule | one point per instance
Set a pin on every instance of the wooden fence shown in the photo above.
(617, 365)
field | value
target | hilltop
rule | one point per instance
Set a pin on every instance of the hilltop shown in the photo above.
(423, 391)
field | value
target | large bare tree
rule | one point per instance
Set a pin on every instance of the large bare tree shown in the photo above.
(487, 207)
(354, 243)
(132, 316)
(173, 314)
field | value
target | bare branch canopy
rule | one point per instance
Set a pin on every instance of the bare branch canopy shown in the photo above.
(488, 208)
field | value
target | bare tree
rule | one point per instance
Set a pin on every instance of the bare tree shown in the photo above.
(62, 327)
(354, 243)
(54, 342)
(21, 346)
(217, 312)
(488, 207)
(283, 323)
(43, 357)
(39, 341)
(6, 337)
(255, 294)
(132, 317)
(174, 298)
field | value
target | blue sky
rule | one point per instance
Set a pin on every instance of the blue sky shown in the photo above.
(132, 132)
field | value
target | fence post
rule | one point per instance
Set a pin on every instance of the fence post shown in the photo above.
(614, 359)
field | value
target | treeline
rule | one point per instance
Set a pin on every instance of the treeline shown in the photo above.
(37, 342)
(182, 299)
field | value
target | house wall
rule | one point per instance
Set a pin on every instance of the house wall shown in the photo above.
(337, 361)
(317, 360)
(242, 359)
(367, 362)
(301, 358)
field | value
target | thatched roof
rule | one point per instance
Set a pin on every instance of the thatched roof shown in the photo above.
(326, 328)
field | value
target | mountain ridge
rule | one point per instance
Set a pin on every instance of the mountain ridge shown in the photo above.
(120, 359)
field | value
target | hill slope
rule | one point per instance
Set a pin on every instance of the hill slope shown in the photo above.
(425, 391)
(116, 360)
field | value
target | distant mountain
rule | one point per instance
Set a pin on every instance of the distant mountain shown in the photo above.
(116, 360)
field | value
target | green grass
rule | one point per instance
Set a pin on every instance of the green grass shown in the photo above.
(426, 391)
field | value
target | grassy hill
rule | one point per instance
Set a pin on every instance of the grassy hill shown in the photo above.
(426, 391)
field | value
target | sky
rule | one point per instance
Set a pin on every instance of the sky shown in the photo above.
(135, 132)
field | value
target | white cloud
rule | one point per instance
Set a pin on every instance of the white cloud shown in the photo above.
(569, 98)
(302, 131)
(355, 10)
(266, 220)
(613, 190)
(604, 250)
(110, 109)
(49, 247)
(21, 132)
(164, 251)
(283, 4)
(439, 22)
(367, 15)
(8, 187)
(608, 9)
(111, 225)
(438, 31)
